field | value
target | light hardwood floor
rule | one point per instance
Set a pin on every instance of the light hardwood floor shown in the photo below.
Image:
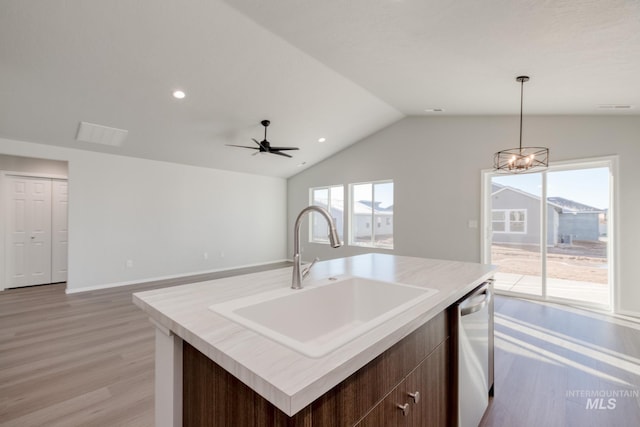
(84, 359)
(552, 362)
(87, 360)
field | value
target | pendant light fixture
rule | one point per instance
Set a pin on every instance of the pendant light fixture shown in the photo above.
(521, 159)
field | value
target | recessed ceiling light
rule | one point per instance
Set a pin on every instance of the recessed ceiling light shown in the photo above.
(178, 94)
(322, 139)
(434, 110)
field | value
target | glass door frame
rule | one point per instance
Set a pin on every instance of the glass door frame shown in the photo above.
(613, 251)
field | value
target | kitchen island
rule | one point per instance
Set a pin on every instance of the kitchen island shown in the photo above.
(284, 381)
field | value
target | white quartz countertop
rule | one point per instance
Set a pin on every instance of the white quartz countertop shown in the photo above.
(283, 376)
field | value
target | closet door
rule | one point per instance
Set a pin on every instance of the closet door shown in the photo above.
(59, 232)
(28, 252)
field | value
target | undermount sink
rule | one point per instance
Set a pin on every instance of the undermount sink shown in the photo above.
(324, 314)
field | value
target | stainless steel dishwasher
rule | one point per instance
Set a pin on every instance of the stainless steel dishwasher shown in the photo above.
(474, 375)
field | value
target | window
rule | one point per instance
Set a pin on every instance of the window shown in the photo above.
(332, 199)
(371, 203)
(509, 220)
(498, 221)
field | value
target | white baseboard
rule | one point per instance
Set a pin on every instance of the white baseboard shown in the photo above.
(174, 276)
(629, 313)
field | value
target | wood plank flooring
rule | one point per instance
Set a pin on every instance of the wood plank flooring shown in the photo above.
(87, 360)
(554, 363)
(84, 359)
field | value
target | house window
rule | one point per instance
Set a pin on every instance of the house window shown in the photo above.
(509, 221)
(332, 199)
(498, 221)
(371, 203)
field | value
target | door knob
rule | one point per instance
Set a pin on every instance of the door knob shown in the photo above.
(404, 408)
(415, 396)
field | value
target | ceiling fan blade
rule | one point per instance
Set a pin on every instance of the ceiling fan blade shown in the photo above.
(284, 148)
(241, 146)
(279, 153)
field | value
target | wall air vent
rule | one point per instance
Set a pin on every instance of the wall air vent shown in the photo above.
(98, 134)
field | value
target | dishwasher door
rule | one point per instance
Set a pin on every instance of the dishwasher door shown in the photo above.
(473, 356)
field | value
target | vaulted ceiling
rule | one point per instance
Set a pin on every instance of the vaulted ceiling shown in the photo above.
(333, 69)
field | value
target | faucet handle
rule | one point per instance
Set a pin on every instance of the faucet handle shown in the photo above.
(307, 270)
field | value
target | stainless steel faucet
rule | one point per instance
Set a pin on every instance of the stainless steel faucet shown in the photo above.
(298, 274)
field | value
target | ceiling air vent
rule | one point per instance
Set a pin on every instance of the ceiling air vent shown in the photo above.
(614, 107)
(98, 134)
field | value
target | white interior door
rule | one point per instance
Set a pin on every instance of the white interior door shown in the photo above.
(59, 231)
(28, 251)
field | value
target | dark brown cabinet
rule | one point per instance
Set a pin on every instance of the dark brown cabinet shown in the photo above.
(421, 362)
(420, 400)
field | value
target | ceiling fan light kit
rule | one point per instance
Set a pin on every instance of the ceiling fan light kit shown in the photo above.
(264, 146)
(521, 159)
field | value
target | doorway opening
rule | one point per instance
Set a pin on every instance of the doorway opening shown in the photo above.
(33, 221)
(551, 233)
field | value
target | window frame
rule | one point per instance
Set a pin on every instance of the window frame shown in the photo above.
(313, 214)
(372, 220)
(507, 221)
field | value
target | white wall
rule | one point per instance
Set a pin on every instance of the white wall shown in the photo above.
(32, 165)
(162, 216)
(435, 163)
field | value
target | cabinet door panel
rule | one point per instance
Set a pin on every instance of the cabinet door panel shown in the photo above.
(386, 413)
(431, 379)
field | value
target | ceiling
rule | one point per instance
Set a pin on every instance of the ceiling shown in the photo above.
(333, 69)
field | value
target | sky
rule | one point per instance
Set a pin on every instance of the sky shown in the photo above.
(383, 193)
(586, 186)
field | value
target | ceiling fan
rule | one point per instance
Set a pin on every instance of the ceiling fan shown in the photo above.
(264, 146)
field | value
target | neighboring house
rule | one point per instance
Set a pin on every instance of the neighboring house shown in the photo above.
(361, 222)
(516, 218)
(579, 221)
(382, 220)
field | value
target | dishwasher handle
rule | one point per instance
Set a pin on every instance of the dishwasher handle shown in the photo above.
(464, 311)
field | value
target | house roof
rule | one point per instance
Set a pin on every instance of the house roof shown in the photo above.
(573, 206)
(561, 204)
(361, 207)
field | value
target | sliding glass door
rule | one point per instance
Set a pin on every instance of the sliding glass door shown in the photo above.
(578, 263)
(550, 232)
(516, 225)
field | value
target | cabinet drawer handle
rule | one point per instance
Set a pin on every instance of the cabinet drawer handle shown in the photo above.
(404, 408)
(415, 396)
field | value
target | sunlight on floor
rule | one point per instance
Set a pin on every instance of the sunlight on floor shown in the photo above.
(595, 313)
(559, 359)
(599, 353)
(563, 366)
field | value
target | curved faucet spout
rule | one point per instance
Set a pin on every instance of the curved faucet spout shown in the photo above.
(334, 239)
